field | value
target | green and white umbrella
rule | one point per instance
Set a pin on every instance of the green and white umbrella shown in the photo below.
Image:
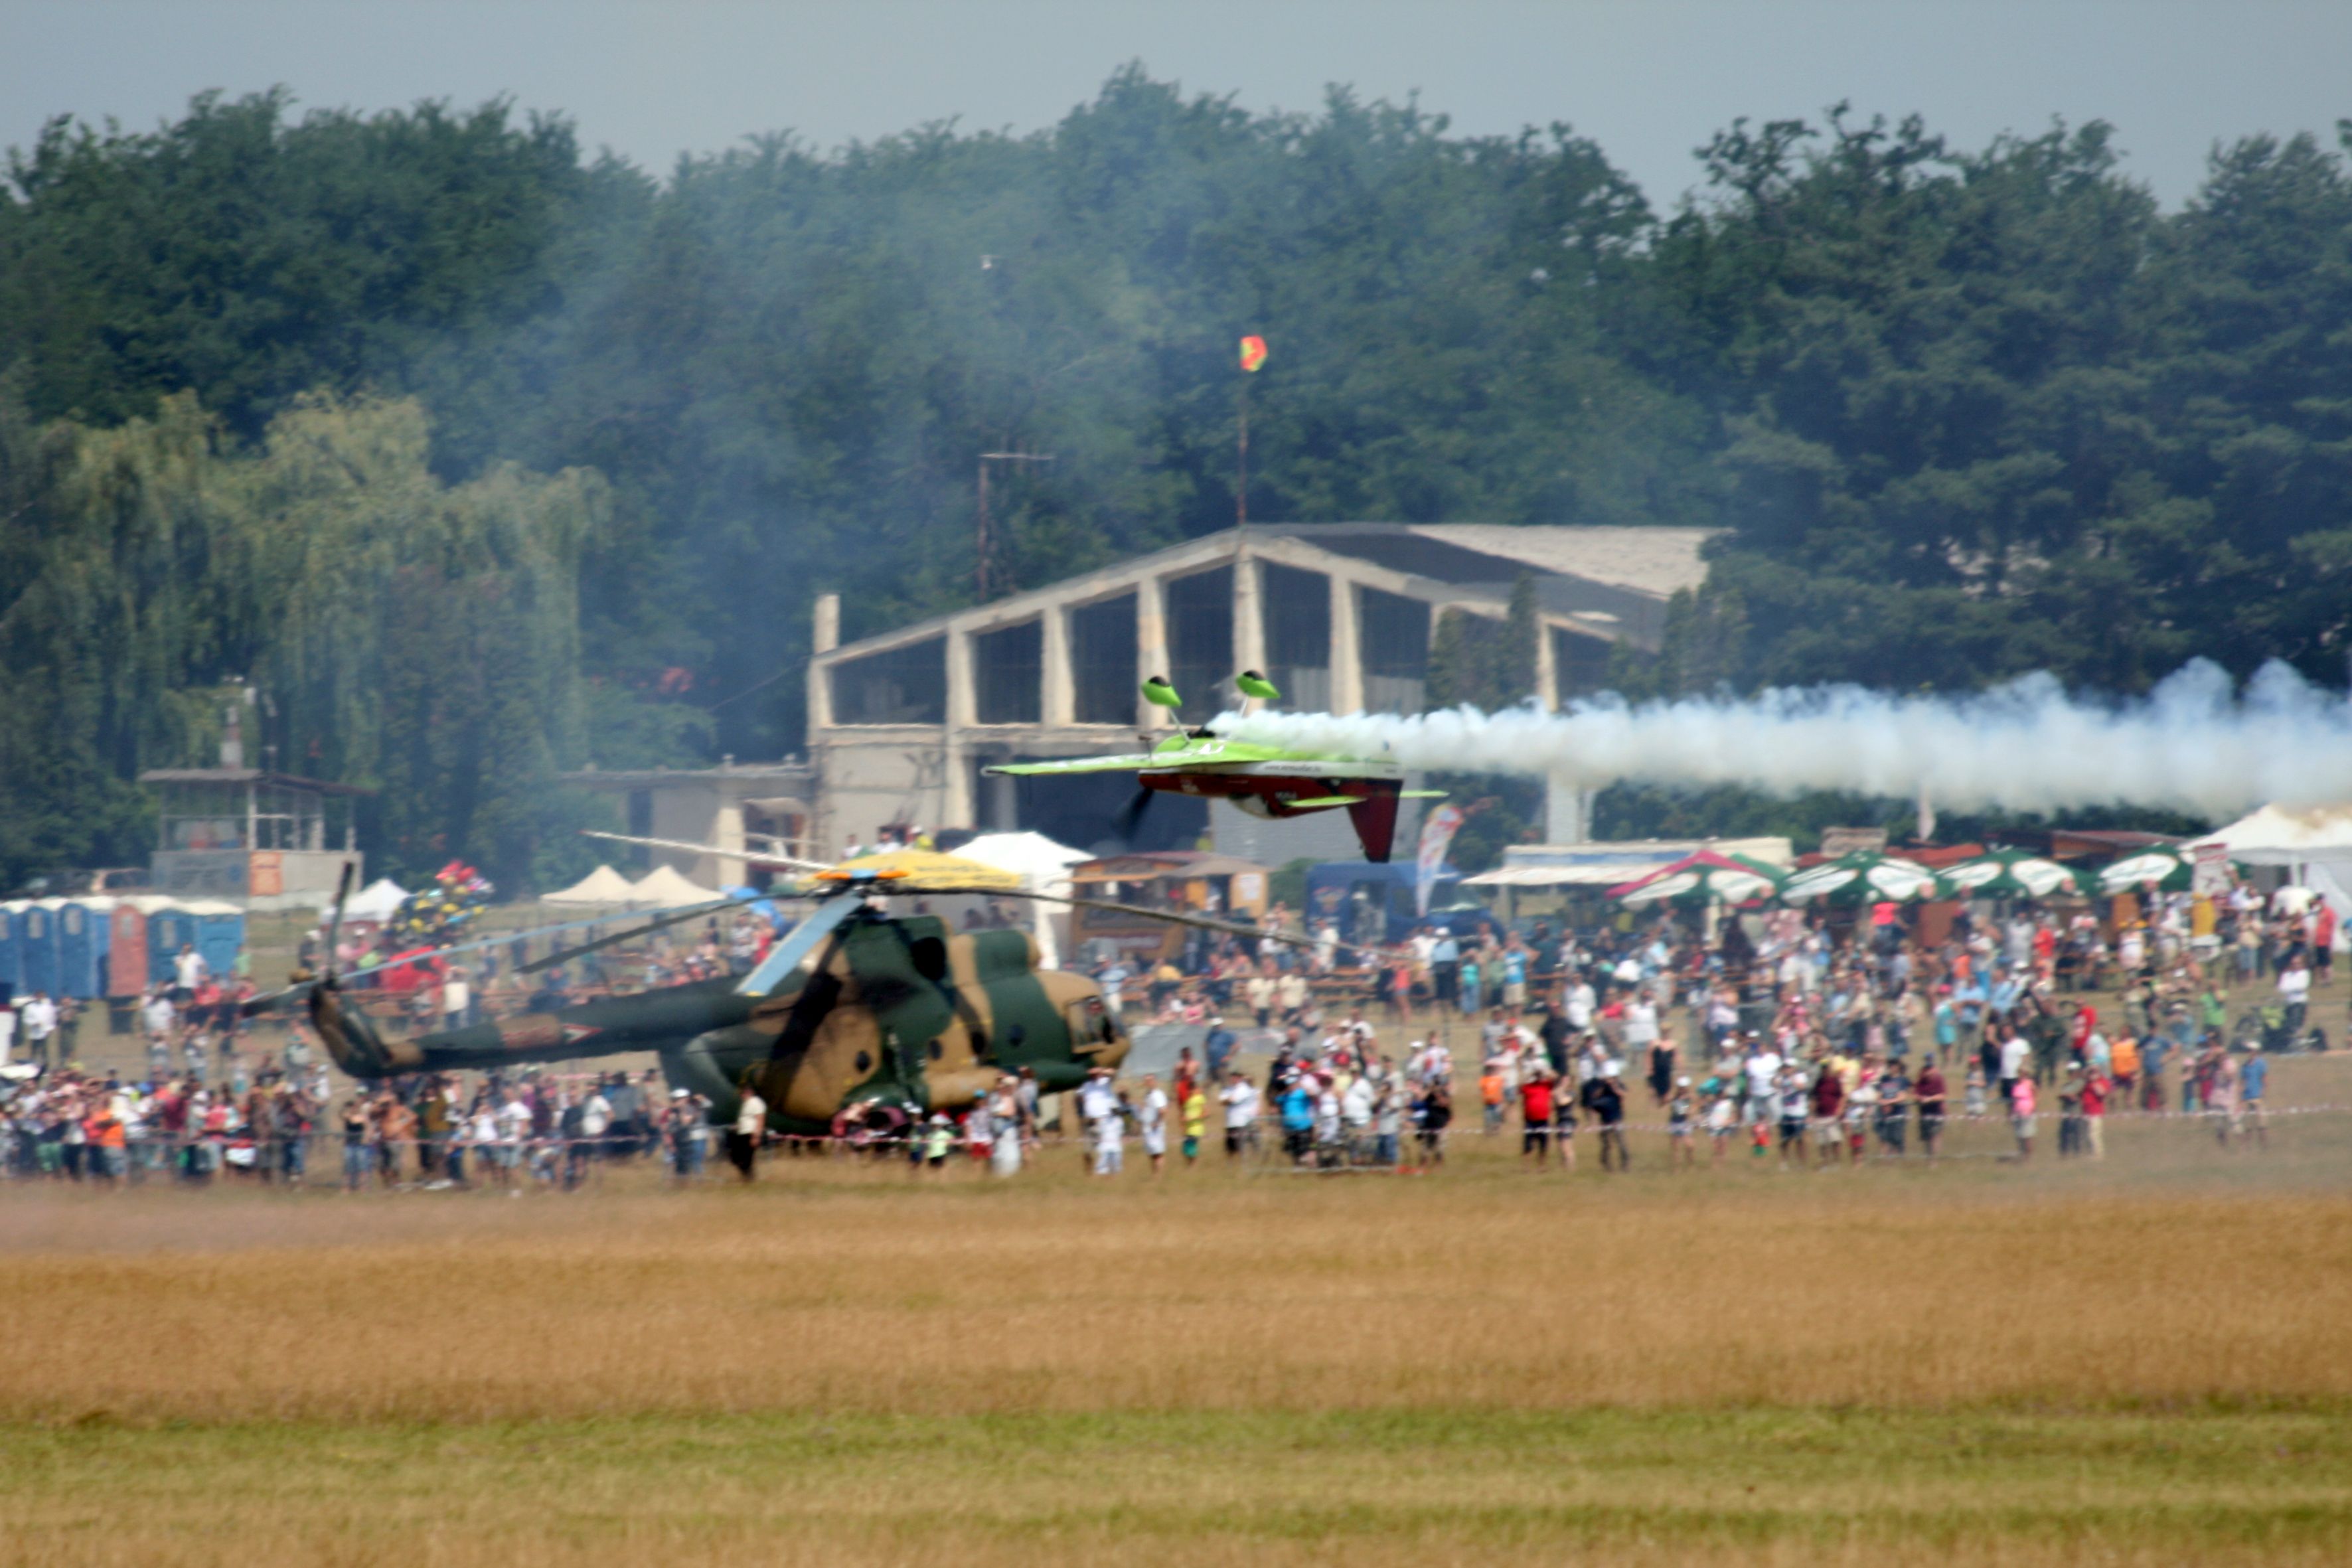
(1697, 880)
(2165, 871)
(2014, 874)
(1863, 878)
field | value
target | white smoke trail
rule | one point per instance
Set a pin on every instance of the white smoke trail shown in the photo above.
(2193, 745)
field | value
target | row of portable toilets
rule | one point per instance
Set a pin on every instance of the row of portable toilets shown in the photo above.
(101, 946)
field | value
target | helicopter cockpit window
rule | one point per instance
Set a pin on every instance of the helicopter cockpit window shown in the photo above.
(1090, 1023)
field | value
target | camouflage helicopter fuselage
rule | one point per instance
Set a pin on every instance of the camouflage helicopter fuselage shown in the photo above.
(898, 1011)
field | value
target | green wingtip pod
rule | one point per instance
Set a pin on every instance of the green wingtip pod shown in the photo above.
(1157, 690)
(1253, 684)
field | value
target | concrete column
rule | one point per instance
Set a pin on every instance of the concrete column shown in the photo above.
(1568, 811)
(1347, 651)
(1249, 615)
(1057, 698)
(825, 635)
(1546, 671)
(1150, 646)
(963, 692)
(955, 789)
(727, 833)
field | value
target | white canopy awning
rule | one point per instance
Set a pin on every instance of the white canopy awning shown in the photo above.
(2281, 836)
(376, 901)
(602, 886)
(666, 888)
(1044, 866)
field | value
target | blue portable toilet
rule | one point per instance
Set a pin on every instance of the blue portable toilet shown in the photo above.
(220, 935)
(81, 946)
(168, 930)
(37, 949)
(11, 916)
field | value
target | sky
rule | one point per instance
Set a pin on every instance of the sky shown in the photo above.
(1648, 79)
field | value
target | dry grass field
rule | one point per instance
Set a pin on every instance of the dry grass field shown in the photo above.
(2140, 1361)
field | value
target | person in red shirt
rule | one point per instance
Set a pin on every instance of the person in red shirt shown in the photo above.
(1534, 1117)
(1929, 1090)
(2096, 1090)
(1829, 1105)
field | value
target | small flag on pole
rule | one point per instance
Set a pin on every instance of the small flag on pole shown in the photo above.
(1253, 351)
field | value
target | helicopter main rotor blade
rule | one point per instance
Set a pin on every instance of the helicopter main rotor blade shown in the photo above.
(1203, 922)
(269, 1000)
(749, 857)
(786, 955)
(675, 917)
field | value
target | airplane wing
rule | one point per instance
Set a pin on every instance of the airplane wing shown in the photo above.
(1126, 764)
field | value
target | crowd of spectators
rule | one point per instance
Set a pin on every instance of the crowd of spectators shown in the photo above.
(1804, 1039)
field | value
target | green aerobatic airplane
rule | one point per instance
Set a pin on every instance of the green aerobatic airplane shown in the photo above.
(1265, 781)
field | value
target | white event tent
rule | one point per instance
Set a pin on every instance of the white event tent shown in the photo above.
(378, 901)
(1043, 865)
(665, 887)
(2312, 844)
(602, 886)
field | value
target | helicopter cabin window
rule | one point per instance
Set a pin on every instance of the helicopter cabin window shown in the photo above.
(934, 1050)
(1393, 632)
(1008, 667)
(865, 1063)
(1200, 642)
(1102, 661)
(897, 686)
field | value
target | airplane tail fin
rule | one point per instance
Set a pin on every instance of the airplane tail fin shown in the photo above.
(1375, 819)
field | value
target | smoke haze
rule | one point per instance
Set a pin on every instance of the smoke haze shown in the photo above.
(2195, 744)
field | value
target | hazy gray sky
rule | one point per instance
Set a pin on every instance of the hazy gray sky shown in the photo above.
(1649, 80)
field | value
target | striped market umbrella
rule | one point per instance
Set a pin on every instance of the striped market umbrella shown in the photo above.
(2014, 874)
(1863, 878)
(2165, 871)
(1697, 880)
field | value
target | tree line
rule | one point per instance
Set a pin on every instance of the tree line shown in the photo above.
(487, 457)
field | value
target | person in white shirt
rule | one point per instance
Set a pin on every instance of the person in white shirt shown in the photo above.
(1110, 1143)
(1240, 1099)
(39, 1020)
(1098, 1101)
(743, 1137)
(1763, 1069)
(2294, 994)
(1579, 1005)
(1154, 1121)
(189, 970)
(457, 999)
(2014, 1052)
(8, 1033)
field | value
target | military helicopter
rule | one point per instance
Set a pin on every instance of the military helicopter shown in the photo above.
(1272, 782)
(854, 1014)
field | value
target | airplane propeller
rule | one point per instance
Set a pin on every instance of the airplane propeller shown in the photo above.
(1128, 823)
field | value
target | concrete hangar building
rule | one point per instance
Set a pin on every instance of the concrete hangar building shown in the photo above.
(1338, 615)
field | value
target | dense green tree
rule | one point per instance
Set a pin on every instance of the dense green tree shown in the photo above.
(484, 458)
